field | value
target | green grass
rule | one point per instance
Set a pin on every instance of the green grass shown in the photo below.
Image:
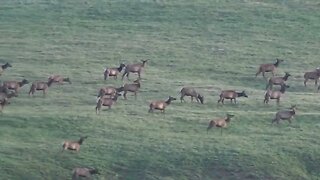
(211, 45)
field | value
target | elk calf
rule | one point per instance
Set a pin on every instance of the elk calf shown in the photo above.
(106, 101)
(160, 105)
(268, 68)
(232, 95)
(220, 123)
(285, 115)
(40, 86)
(59, 79)
(314, 75)
(134, 68)
(15, 85)
(4, 67)
(83, 172)
(134, 87)
(113, 71)
(73, 145)
(188, 91)
(275, 94)
(277, 80)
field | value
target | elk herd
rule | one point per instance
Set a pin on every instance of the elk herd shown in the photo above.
(108, 96)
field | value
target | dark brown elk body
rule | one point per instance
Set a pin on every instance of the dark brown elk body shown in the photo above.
(83, 173)
(4, 67)
(59, 79)
(285, 115)
(270, 94)
(134, 68)
(268, 68)
(113, 71)
(15, 85)
(277, 80)
(314, 75)
(106, 101)
(134, 87)
(40, 86)
(232, 95)
(188, 91)
(73, 145)
(220, 123)
(110, 91)
(161, 104)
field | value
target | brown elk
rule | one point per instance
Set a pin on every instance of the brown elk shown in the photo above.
(113, 71)
(83, 173)
(40, 86)
(220, 123)
(15, 85)
(134, 87)
(285, 115)
(3, 101)
(8, 95)
(134, 68)
(268, 68)
(160, 104)
(110, 91)
(59, 79)
(232, 95)
(4, 67)
(73, 145)
(313, 75)
(189, 91)
(270, 94)
(277, 80)
(106, 101)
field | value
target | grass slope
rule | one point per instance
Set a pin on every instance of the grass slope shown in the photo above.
(211, 45)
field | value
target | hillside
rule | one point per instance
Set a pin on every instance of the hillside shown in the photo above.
(209, 45)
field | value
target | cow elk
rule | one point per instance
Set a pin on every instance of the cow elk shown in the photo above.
(40, 86)
(15, 85)
(59, 79)
(83, 173)
(285, 115)
(313, 75)
(134, 87)
(106, 101)
(4, 67)
(189, 91)
(113, 71)
(232, 95)
(268, 68)
(277, 80)
(134, 68)
(270, 94)
(161, 104)
(73, 145)
(109, 91)
(220, 123)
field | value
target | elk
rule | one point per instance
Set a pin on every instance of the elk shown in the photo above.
(275, 94)
(232, 95)
(40, 86)
(134, 68)
(73, 145)
(111, 91)
(4, 67)
(160, 105)
(59, 79)
(15, 85)
(220, 123)
(277, 80)
(285, 115)
(314, 75)
(268, 68)
(106, 101)
(134, 87)
(113, 71)
(3, 101)
(8, 95)
(83, 172)
(189, 91)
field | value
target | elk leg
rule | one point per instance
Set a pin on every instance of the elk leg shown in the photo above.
(278, 101)
(235, 101)
(191, 99)
(139, 76)
(135, 95)
(125, 95)
(181, 98)
(316, 82)
(305, 82)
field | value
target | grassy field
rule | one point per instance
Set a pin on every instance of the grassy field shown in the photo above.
(210, 45)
